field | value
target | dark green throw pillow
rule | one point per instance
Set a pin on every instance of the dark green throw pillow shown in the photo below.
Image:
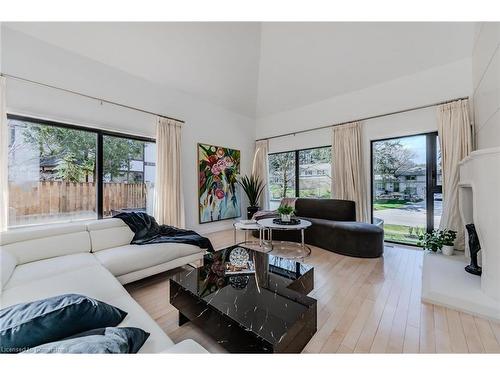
(26, 325)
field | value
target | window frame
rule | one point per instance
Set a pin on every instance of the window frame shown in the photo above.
(100, 133)
(297, 166)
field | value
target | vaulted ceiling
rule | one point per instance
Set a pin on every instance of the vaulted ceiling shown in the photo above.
(262, 68)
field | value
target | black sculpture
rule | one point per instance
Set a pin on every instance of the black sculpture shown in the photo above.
(474, 248)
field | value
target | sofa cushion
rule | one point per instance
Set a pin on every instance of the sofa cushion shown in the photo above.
(110, 340)
(125, 259)
(48, 241)
(41, 231)
(30, 324)
(41, 269)
(93, 281)
(109, 233)
(7, 265)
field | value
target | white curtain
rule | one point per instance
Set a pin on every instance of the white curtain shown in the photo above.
(4, 159)
(455, 138)
(260, 169)
(169, 200)
(348, 179)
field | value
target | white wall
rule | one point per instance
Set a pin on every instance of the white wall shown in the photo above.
(31, 58)
(437, 84)
(427, 87)
(486, 84)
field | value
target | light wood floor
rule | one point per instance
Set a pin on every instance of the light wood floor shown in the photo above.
(364, 306)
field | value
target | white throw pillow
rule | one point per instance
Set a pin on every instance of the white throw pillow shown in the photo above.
(7, 265)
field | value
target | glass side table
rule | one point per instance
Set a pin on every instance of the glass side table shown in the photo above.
(247, 227)
(286, 249)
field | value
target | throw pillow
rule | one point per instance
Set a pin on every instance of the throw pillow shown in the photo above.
(111, 340)
(31, 324)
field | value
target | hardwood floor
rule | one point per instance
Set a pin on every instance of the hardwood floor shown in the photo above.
(364, 306)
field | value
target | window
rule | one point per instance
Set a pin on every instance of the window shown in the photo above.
(300, 173)
(316, 181)
(281, 177)
(51, 173)
(55, 176)
(129, 175)
(406, 186)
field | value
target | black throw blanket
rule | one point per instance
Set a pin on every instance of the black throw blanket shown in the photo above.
(147, 231)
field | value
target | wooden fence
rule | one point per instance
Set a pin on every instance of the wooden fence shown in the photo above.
(57, 198)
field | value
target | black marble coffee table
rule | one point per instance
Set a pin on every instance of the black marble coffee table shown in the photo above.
(267, 311)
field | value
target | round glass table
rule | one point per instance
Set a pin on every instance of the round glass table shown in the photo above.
(286, 249)
(247, 227)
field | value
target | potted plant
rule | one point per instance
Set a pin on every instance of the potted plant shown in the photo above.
(285, 212)
(253, 188)
(430, 241)
(448, 239)
(438, 240)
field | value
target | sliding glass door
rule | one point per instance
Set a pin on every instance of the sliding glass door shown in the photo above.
(406, 186)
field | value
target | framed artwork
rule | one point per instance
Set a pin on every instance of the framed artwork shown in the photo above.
(218, 191)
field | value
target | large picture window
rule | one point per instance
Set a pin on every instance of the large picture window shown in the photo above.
(60, 172)
(300, 173)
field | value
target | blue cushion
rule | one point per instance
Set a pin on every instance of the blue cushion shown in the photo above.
(99, 341)
(27, 325)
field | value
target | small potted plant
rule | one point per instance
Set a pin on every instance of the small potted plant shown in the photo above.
(430, 241)
(253, 188)
(448, 239)
(438, 240)
(286, 212)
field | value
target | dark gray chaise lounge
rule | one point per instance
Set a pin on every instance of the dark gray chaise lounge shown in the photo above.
(334, 228)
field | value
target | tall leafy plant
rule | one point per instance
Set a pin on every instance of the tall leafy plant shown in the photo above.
(253, 188)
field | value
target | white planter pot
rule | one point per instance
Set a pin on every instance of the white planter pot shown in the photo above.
(447, 250)
(286, 218)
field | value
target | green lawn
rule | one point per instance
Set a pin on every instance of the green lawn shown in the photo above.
(385, 206)
(399, 233)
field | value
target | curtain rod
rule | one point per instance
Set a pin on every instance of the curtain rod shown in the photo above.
(362, 119)
(88, 96)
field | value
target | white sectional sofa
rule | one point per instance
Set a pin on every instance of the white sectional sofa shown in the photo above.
(93, 259)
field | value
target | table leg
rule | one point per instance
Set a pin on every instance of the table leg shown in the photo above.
(302, 238)
(246, 236)
(182, 319)
(235, 236)
(271, 238)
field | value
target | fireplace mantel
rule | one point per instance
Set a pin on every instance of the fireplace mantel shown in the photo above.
(444, 280)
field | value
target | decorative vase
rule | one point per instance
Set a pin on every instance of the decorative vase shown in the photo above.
(239, 257)
(447, 250)
(286, 218)
(251, 210)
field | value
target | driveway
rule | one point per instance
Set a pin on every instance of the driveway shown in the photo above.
(413, 214)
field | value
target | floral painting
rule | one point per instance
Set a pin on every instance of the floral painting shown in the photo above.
(218, 191)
